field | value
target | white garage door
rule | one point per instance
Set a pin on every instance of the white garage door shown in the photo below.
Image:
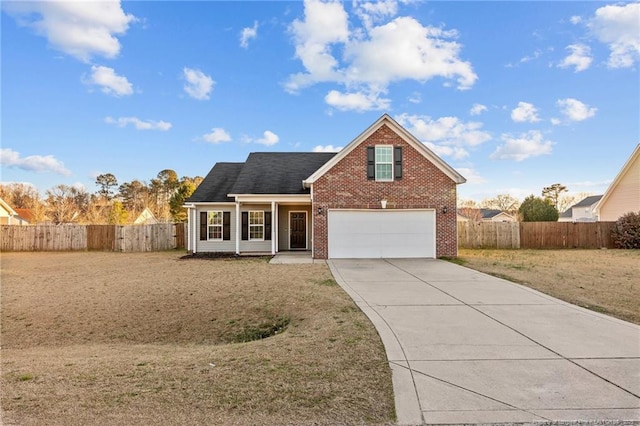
(381, 233)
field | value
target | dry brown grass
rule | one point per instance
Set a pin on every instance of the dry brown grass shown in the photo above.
(606, 281)
(108, 338)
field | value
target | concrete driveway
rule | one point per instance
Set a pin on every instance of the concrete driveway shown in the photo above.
(466, 347)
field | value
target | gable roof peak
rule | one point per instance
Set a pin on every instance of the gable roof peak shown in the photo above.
(386, 119)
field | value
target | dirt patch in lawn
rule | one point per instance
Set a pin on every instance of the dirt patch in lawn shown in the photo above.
(147, 338)
(606, 281)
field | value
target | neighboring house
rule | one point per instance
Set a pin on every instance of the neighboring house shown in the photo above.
(384, 195)
(146, 218)
(623, 195)
(493, 215)
(27, 215)
(8, 216)
(583, 211)
(485, 215)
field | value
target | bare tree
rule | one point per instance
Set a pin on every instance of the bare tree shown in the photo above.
(502, 202)
(66, 204)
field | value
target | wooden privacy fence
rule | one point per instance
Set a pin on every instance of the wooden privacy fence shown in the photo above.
(502, 235)
(550, 235)
(124, 238)
(535, 235)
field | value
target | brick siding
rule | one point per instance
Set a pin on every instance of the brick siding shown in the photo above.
(423, 185)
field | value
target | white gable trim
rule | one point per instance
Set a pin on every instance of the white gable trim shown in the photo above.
(400, 131)
(635, 154)
(7, 207)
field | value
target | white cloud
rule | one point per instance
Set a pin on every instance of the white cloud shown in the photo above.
(580, 57)
(575, 19)
(199, 85)
(372, 12)
(109, 82)
(139, 124)
(217, 135)
(446, 136)
(404, 49)
(356, 101)
(373, 56)
(575, 110)
(415, 98)
(618, 26)
(326, 148)
(556, 121)
(519, 148)
(269, 138)
(81, 29)
(247, 34)
(32, 163)
(525, 112)
(471, 175)
(324, 24)
(477, 109)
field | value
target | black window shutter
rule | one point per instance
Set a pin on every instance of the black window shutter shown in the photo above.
(226, 226)
(397, 162)
(267, 225)
(203, 226)
(245, 226)
(371, 163)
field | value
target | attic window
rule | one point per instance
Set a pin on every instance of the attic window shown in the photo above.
(384, 163)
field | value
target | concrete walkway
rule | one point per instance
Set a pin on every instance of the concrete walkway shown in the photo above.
(289, 257)
(465, 347)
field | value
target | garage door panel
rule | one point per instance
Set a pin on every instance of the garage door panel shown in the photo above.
(375, 233)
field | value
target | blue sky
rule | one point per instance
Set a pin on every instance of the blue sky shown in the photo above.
(514, 95)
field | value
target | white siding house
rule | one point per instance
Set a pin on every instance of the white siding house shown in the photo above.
(623, 195)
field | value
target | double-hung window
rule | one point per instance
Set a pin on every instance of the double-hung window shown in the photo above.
(256, 225)
(384, 163)
(214, 225)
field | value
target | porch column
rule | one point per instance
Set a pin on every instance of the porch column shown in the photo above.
(274, 226)
(189, 226)
(238, 227)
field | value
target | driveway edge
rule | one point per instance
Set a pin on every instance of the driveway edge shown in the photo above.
(407, 405)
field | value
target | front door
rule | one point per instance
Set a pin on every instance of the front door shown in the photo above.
(298, 230)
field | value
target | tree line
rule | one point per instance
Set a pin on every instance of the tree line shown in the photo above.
(546, 207)
(111, 203)
(164, 195)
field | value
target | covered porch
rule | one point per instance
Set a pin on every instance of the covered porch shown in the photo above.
(252, 224)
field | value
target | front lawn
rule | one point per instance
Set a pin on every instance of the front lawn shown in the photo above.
(148, 338)
(606, 281)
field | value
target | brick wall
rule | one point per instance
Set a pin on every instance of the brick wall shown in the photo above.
(423, 185)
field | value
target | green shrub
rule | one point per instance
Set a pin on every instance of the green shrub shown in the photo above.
(626, 232)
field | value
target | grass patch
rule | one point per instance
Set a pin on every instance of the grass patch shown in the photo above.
(25, 377)
(329, 282)
(145, 338)
(452, 259)
(262, 331)
(605, 281)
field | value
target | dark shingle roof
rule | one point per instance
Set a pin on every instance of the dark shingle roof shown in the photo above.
(589, 201)
(489, 213)
(568, 213)
(278, 172)
(217, 184)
